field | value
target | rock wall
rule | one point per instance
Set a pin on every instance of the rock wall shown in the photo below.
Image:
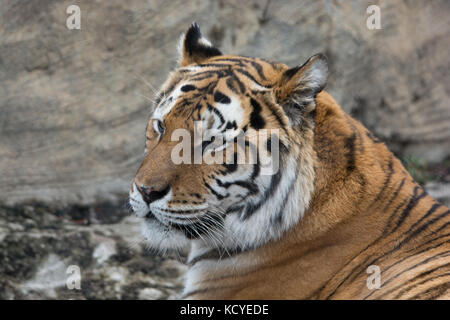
(74, 103)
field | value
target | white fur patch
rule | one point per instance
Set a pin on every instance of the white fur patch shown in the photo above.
(196, 274)
(161, 238)
(260, 228)
(205, 42)
(140, 208)
(316, 74)
(156, 234)
(164, 108)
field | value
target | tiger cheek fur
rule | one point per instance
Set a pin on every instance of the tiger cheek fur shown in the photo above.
(337, 203)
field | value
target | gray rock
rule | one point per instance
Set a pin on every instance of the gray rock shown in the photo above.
(150, 294)
(51, 274)
(112, 260)
(440, 191)
(104, 251)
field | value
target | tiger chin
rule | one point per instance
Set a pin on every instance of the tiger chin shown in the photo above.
(338, 204)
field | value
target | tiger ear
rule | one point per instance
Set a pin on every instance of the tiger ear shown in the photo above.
(194, 48)
(297, 88)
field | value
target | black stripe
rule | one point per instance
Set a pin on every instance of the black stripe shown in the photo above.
(288, 74)
(207, 74)
(431, 240)
(187, 88)
(387, 179)
(277, 114)
(251, 208)
(248, 75)
(349, 144)
(238, 60)
(250, 186)
(258, 68)
(445, 225)
(278, 217)
(394, 195)
(414, 285)
(414, 200)
(231, 167)
(256, 120)
(214, 65)
(416, 253)
(242, 87)
(431, 222)
(432, 293)
(214, 192)
(433, 208)
(219, 97)
(215, 254)
(415, 232)
(234, 209)
(230, 85)
(217, 112)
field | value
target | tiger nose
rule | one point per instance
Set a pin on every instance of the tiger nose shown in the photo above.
(150, 194)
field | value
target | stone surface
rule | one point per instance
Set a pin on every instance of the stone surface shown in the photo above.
(150, 294)
(112, 260)
(439, 191)
(74, 103)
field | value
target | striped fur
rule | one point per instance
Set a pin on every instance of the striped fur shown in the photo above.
(339, 203)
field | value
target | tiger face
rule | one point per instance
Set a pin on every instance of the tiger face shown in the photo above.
(203, 180)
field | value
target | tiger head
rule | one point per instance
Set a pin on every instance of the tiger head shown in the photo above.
(217, 117)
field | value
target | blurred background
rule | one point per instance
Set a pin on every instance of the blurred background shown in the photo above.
(74, 106)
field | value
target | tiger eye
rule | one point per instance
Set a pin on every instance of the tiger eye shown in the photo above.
(158, 126)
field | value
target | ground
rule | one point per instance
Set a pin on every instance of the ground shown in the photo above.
(38, 244)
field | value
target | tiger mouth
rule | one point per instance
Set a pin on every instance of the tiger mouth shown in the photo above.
(194, 229)
(179, 214)
(149, 215)
(193, 211)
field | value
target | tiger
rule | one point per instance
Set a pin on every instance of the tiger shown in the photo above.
(339, 218)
